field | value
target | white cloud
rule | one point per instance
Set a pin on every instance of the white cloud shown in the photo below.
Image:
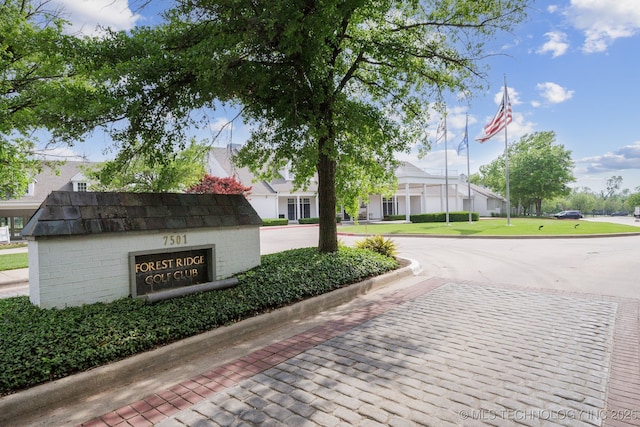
(87, 16)
(554, 93)
(556, 44)
(220, 124)
(604, 21)
(514, 96)
(552, 8)
(627, 157)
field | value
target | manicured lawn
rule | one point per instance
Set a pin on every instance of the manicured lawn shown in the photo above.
(13, 261)
(495, 227)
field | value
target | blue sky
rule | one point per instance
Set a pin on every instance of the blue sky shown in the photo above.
(571, 67)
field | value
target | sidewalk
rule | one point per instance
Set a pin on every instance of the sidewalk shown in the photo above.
(434, 353)
(14, 282)
(421, 351)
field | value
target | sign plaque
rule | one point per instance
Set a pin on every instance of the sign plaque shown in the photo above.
(154, 271)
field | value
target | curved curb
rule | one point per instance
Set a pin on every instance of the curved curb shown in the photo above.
(55, 394)
(529, 236)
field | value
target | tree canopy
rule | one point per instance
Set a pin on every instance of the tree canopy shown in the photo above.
(30, 61)
(333, 89)
(178, 173)
(539, 170)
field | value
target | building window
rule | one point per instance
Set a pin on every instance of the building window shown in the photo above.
(387, 206)
(82, 186)
(305, 208)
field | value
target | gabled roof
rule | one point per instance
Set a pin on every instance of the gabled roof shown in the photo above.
(57, 179)
(65, 213)
(406, 169)
(486, 192)
(223, 157)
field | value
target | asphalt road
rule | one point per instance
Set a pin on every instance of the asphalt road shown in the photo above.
(603, 265)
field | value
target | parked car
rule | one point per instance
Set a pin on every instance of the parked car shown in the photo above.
(568, 215)
(620, 213)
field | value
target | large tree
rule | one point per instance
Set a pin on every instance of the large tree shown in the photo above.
(539, 169)
(34, 70)
(334, 89)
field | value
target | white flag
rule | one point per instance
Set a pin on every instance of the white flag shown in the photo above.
(441, 131)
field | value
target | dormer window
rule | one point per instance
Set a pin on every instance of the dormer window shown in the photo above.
(80, 186)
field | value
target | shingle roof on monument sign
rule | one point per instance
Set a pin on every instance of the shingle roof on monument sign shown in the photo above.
(79, 213)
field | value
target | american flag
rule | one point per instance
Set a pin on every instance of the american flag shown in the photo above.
(502, 118)
(442, 130)
(464, 144)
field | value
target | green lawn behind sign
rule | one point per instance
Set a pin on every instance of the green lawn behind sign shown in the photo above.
(13, 261)
(495, 227)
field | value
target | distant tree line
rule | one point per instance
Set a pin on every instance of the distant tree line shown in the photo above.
(613, 200)
(540, 172)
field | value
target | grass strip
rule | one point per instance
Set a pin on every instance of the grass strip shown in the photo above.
(495, 227)
(13, 261)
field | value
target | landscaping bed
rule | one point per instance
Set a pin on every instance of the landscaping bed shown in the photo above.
(40, 345)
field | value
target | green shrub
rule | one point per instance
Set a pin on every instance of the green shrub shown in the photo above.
(40, 345)
(267, 222)
(442, 217)
(308, 220)
(315, 220)
(378, 244)
(394, 217)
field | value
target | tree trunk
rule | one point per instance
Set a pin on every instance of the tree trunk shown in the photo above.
(538, 207)
(328, 239)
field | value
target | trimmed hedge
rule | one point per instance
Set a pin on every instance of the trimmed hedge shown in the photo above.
(394, 217)
(442, 217)
(39, 345)
(309, 221)
(315, 220)
(267, 222)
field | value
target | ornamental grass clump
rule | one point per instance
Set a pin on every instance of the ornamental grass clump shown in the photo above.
(379, 245)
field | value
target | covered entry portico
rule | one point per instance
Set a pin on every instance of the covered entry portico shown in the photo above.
(419, 191)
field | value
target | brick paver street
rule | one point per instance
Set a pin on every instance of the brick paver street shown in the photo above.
(437, 353)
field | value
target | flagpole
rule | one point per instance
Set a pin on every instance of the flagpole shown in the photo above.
(466, 134)
(446, 167)
(506, 153)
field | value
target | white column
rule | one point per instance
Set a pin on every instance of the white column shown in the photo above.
(407, 202)
(424, 198)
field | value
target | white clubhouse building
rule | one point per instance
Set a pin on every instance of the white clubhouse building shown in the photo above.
(419, 191)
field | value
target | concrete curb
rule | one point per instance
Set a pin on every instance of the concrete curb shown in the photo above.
(530, 236)
(55, 394)
(12, 282)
